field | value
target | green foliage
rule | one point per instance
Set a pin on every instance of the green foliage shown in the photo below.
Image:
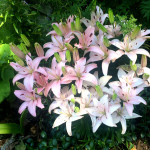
(145, 9)
(9, 128)
(22, 119)
(5, 53)
(20, 146)
(4, 90)
(127, 25)
(6, 72)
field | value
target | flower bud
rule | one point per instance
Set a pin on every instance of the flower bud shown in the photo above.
(24, 48)
(111, 16)
(114, 96)
(39, 49)
(68, 56)
(99, 90)
(101, 27)
(145, 76)
(25, 40)
(135, 32)
(73, 100)
(76, 109)
(73, 89)
(69, 47)
(143, 61)
(106, 41)
(56, 55)
(133, 67)
(73, 28)
(57, 30)
(39, 93)
(17, 51)
(20, 86)
(75, 55)
(78, 24)
(18, 60)
(64, 71)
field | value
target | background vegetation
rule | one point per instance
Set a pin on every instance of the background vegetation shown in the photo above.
(34, 18)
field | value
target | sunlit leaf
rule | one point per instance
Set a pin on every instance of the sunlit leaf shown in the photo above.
(9, 128)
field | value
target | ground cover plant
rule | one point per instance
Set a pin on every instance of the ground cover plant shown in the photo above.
(93, 70)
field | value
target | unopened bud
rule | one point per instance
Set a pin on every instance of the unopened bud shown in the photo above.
(57, 30)
(99, 90)
(143, 61)
(74, 91)
(133, 66)
(73, 100)
(57, 57)
(69, 47)
(39, 49)
(17, 51)
(24, 48)
(145, 76)
(20, 86)
(111, 16)
(25, 40)
(64, 71)
(75, 55)
(73, 28)
(114, 96)
(101, 27)
(106, 41)
(77, 109)
(78, 24)
(135, 32)
(18, 60)
(68, 56)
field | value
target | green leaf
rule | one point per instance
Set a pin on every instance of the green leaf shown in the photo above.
(22, 119)
(2, 23)
(7, 72)
(57, 30)
(9, 128)
(4, 90)
(111, 16)
(15, 28)
(101, 27)
(6, 14)
(20, 146)
(4, 52)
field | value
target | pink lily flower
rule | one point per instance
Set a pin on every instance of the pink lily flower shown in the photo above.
(128, 95)
(65, 96)
(131, 48)
(66, 114)
(143, 33)
(54, 74)
(85, 101)
(102, 81)
(95, 16)
(27, 72)
(57, 45)
(121, 115)
(102, 112)
(129, 79)
(80, 72)
(64, 27)
(41, 82)
(101, 52)
(113, 31)
(31, 100)
(86, 38)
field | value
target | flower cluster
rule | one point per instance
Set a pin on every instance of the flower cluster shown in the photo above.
(70, 81)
